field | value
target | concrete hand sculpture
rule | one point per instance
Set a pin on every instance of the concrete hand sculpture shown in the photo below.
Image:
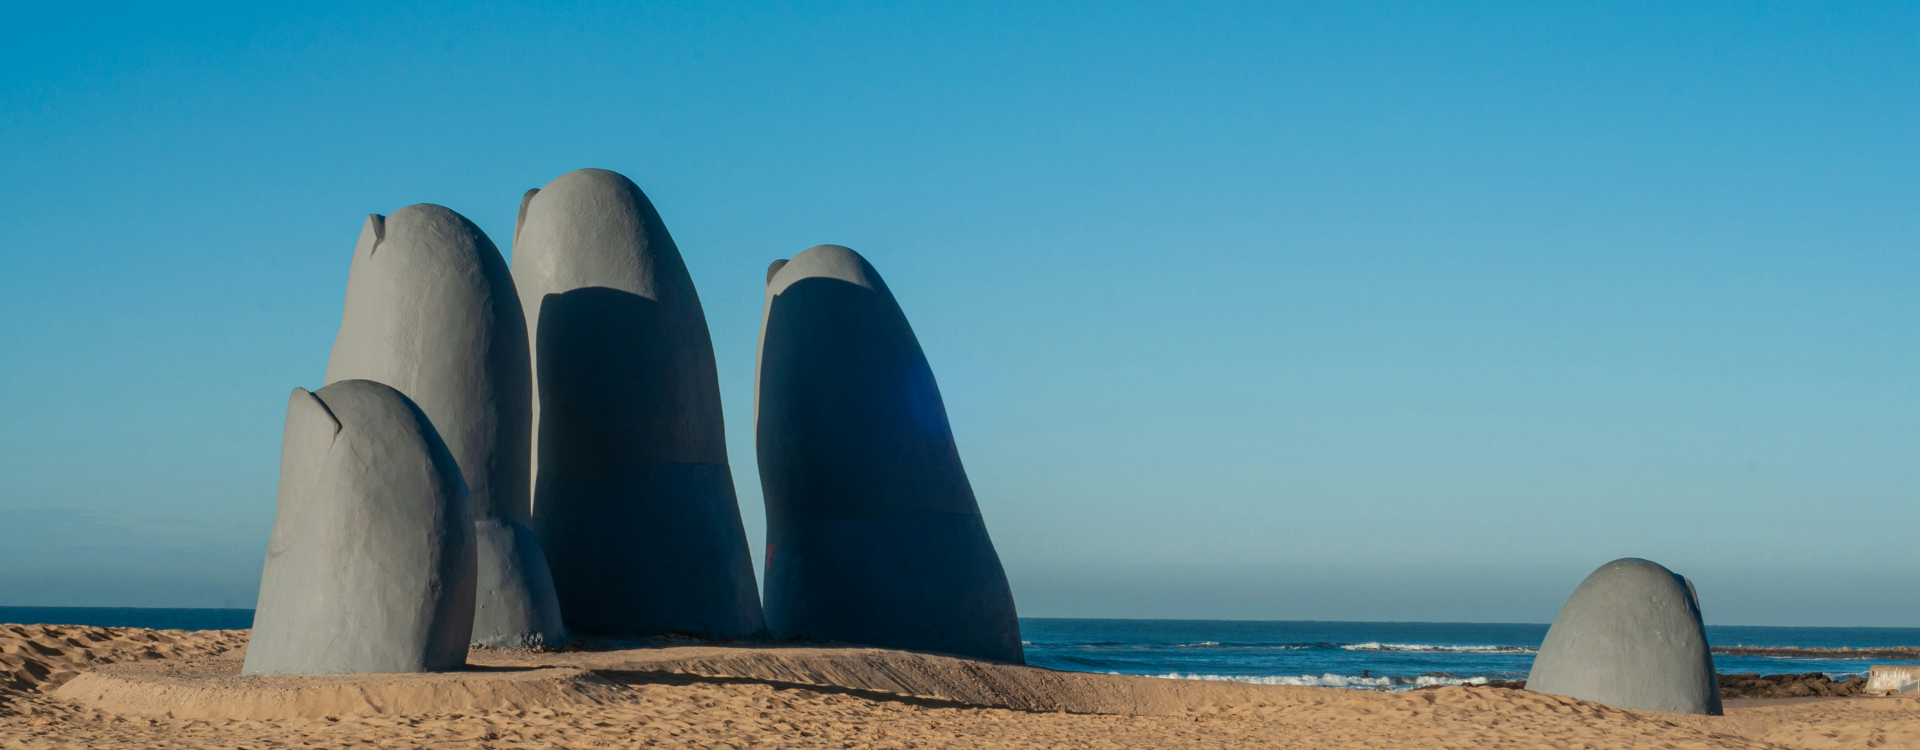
(873, 532)
(431, 310)
(371, 564)
(1631, 636)
(633, 498)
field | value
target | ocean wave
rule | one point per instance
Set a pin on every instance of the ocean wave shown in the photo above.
(1334, 680)
(1447, 649)
(1148, 648)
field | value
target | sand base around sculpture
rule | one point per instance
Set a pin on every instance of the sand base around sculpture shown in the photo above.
(215, 689)
(957, 681)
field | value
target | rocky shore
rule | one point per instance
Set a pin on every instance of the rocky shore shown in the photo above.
(1810, 685)
(1750, 686)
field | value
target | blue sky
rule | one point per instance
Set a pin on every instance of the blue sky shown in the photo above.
(1381, 311)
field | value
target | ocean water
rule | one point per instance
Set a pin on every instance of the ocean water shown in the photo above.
(1387, 655)
(1374, 655)
(131, 617)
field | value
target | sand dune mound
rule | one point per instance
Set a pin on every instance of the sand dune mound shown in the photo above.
(42, 657)
(957, 680)
(213, 688)
(45, 657)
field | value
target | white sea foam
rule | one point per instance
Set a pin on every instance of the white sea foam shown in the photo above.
(1202, 644)
(1450, 649)
(1334, 680)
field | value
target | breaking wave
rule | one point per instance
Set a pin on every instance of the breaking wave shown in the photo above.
(1335, 680)
(1447, 649)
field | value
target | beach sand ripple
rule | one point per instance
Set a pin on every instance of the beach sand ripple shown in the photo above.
(42, 657)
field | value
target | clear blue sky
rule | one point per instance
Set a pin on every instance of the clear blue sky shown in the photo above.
(1320, 311)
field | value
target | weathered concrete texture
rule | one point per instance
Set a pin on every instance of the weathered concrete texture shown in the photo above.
(633, 498)
(873, 534)
(371, 566)
(431, 311)
(1630, 637)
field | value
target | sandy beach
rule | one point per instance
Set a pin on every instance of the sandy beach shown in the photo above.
(72, 686)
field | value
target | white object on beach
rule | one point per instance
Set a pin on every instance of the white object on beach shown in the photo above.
(1890, 679)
